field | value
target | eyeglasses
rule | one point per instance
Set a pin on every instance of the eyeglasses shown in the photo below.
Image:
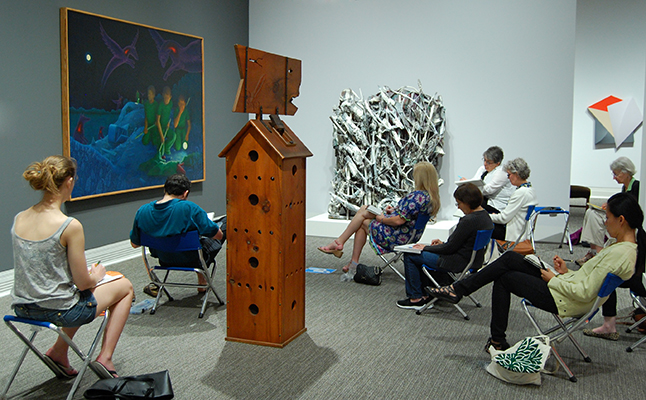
(616, 174)
(489, 162)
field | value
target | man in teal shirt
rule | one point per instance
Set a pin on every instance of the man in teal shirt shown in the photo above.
(172, 215)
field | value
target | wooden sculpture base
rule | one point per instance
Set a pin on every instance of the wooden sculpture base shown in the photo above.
(271, 344)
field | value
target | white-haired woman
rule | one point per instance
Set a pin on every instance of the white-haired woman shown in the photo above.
(514, 214)
(497, 189)
(594, 231)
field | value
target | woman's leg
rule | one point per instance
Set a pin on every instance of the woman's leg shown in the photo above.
(507, 262)
(115, 296)
(594, 229)
(522, 284)
(609, 308)
(58, 352)
(355, 224)
(360, 238)
(414, 274)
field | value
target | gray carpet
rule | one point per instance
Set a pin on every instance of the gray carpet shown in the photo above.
(358, 345)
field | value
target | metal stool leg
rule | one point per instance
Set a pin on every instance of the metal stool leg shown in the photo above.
(634, 345)
(36, 325)
(16, 368)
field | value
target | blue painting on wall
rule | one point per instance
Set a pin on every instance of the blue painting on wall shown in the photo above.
(132, 103)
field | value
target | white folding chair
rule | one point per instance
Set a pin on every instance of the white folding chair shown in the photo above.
(420, 225)
(482, 238)
(185, 242)
(564, 329)
(35, 326)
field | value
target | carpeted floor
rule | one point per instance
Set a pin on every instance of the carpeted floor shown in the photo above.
(358, 345)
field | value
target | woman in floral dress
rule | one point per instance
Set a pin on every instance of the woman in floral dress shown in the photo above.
(395, 225)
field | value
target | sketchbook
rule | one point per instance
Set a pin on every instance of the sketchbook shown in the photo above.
(478, 182)
(408, 248)
(374, 210)
(109, 277)
(595, 207)
(538, 263)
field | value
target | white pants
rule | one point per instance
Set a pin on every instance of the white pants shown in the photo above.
(594, 227)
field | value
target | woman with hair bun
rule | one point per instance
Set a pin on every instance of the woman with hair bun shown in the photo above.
(52, 281)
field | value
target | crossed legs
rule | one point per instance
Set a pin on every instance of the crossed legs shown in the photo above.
(359, 227)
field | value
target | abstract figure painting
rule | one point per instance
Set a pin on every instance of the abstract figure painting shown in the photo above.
(132, 102)
(615, 121)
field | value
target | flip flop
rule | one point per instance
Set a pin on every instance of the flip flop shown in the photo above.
(103, 371)
(65, 372)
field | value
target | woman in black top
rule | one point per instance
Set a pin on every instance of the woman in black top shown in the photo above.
(452, 255)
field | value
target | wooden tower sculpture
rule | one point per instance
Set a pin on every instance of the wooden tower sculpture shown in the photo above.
(265, 164)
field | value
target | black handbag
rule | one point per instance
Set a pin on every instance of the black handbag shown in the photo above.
(368, 275)
(147, 386)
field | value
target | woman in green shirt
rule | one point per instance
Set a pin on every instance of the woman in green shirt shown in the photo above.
(570, 293)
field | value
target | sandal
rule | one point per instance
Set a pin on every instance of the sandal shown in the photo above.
(446, 293)
(502, 346)
(102, 370)
(337, 251)
(65, 372)
(151, 289)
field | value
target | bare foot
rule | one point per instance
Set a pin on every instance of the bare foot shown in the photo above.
(603, 329)
(62, 362)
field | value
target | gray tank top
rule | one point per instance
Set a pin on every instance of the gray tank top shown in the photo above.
(42, 274)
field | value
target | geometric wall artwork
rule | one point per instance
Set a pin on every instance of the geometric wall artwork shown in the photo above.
(615, 121)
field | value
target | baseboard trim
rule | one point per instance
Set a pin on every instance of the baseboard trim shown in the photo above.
(6, 282)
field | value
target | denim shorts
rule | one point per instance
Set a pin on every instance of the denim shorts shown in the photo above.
(81, 313)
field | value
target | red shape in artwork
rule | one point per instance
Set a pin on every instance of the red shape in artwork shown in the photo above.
(603, 104)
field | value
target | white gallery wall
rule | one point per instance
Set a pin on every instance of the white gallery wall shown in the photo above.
(505, 70)
(610, 60)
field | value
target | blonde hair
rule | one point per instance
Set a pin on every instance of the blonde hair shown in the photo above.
(425, 177)
(48, 175)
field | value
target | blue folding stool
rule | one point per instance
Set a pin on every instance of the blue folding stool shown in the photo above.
(553, 212)
(638, 302)
(36, 326)
(185, 242)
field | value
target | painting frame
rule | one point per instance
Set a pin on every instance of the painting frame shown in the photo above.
(132, 103)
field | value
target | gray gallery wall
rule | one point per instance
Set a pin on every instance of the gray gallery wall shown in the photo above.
(504, 68)
(30, 101)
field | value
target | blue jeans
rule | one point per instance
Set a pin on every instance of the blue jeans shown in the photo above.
(415, 278)
(81, 313)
